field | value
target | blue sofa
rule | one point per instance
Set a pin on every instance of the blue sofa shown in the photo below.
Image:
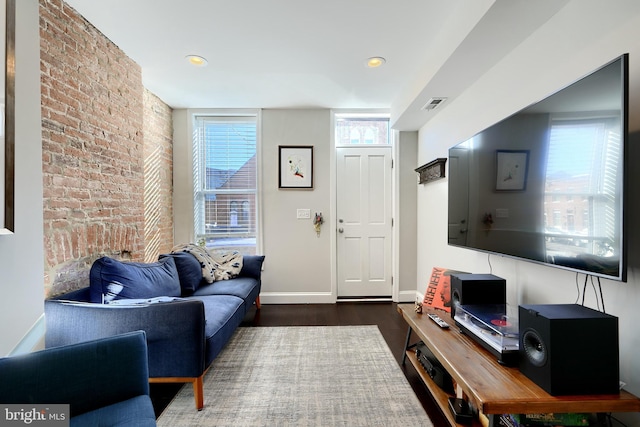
(104, 382)
(187, 320)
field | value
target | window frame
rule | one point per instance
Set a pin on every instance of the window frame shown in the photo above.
(362, 117)
(198, 229)
(601, 235)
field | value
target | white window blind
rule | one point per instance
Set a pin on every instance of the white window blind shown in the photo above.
(225, 182)
(588, 182)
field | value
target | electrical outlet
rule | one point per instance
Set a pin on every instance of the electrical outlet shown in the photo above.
(303, 213)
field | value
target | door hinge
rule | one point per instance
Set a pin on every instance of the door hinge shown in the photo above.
(391, 163)
(392, 222)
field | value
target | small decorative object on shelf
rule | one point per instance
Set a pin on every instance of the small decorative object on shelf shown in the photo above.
(418, 307)
(431, 171)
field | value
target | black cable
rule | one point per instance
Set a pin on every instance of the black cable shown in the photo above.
(489, 262)
(595, 293)
(601, 295)
(577, 288)
(584, 288)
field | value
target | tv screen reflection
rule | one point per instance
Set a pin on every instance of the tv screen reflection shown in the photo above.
(547, 183)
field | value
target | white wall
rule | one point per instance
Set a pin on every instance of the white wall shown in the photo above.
(406, 239)
(182, 178)
(21, 254)
(299, 265)
(580, 38)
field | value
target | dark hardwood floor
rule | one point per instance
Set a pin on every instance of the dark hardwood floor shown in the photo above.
(384, 315)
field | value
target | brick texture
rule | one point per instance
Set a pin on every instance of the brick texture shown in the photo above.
(101, 129)
(158, 172)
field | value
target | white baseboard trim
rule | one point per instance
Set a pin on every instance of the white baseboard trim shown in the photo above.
(297, 298)
(408, 296)
(321, 297)
(368, 299)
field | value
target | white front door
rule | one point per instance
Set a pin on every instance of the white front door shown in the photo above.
(458, 184)
(364, 221)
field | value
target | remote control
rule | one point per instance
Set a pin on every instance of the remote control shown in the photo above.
(439, 321)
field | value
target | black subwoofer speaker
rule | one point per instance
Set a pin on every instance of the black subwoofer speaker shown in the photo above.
(569, 349)
(477, 289)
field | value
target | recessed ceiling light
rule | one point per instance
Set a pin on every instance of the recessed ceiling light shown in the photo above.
(197, 60)
(375, 61)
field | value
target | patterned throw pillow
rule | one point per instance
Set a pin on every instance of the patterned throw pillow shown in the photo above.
(228, 264)
(215, 266)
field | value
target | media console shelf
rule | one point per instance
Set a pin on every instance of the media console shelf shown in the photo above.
(490, 386)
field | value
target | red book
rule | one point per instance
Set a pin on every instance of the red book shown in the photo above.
(438, 293)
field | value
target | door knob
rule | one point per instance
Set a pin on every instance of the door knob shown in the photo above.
(341, 230)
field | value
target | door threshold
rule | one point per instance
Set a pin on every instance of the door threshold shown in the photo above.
(364, 299)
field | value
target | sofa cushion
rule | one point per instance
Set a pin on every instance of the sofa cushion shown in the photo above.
(189, 271)
(252, 266)
(241, 287)
(224, 313)
(115, 279)
(203, 257)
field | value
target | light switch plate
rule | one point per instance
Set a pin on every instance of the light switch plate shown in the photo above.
(502, 213)
(303, 213)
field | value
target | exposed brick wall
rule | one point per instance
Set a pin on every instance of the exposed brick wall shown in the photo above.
(95, 113)
(158, 171)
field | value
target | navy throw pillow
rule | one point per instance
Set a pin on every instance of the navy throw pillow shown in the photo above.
(252, 266)
(115, 279)
(189, 271)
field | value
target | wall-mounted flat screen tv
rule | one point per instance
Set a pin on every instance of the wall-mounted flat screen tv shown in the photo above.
(547, 184)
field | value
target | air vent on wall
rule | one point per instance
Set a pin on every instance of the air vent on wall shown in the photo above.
(433, 103)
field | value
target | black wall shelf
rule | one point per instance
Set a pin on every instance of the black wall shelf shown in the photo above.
(431, 171)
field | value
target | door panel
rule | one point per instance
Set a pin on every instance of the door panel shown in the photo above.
(376, 252)
(459, 183)
(352, 259)
(364, 221)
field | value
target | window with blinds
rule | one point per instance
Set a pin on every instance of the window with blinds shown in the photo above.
(582, 182)
(225, 182)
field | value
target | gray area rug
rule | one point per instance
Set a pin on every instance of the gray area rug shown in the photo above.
(302, 376)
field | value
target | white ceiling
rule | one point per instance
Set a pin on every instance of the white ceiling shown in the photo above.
(311, 54)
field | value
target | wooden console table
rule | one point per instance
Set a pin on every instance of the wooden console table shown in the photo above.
(488, 385)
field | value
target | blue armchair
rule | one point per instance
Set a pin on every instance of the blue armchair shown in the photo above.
(105, 381)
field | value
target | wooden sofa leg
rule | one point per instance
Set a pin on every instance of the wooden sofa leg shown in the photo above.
(198, 392)
(258, 302)
(198, 386)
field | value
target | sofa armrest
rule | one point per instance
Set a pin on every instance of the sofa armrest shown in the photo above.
(87, 376)
(175, 330)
